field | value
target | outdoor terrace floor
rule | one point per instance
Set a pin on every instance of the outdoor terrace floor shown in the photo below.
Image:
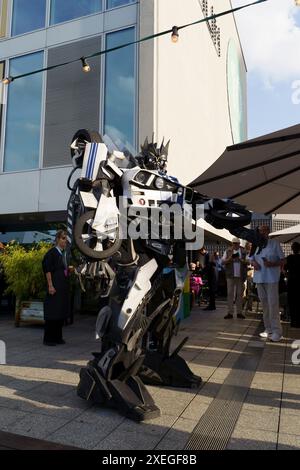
(249, 398)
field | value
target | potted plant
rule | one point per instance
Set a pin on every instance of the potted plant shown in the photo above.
(25, 279)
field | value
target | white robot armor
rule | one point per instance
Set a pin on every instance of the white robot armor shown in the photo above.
(137, 275)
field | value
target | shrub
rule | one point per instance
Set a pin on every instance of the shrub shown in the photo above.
(23, 270)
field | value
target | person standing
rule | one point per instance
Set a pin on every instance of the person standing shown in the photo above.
(56, 305)
(293, 284)
(267, 263)
(2, 281)
(235, 263)
(209, 272)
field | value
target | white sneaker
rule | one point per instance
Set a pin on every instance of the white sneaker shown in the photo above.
(264, 334)
(275, 338)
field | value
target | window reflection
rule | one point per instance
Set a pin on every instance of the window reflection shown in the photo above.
(120, 86)
(2, 65)
(28, 15)
(118, 3)
(23, 122)
(65, 10)
(3, 18)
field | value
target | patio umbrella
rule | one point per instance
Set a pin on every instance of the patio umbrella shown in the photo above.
(262, 173)
(287, 235)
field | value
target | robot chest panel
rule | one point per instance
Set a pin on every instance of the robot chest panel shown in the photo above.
(150, 197)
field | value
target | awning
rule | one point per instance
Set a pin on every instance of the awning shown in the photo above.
(262, 173)
(288, 235)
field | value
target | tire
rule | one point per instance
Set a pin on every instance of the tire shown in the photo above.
(84, 135)
(220, 217)
(82, 227)
(241, 220)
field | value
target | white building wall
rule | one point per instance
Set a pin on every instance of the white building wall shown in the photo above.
(190, 102)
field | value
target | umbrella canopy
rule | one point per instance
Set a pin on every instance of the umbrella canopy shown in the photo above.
(288, 235)
(262, 173)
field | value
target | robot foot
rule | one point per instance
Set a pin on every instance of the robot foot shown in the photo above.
(130, 397)
(172, 371)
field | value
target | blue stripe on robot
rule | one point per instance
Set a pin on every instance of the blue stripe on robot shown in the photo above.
(94, 160)
(91, 161)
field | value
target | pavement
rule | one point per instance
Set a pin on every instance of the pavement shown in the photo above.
(249, 397)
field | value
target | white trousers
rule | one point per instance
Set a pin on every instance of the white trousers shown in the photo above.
(269, 296)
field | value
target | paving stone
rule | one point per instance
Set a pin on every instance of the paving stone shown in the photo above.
(259, 403)
(288, 442)
(290, 423)
(78, 434)
(252, 439)
(178, 436)
(260, 420)
(52, 389)
(290, 405)
(137, 436)
(34, 425)
(195, 409)
(23, 384)
(8, 417)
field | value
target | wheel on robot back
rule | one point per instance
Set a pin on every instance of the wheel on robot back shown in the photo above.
(81, 138)
(91, 243)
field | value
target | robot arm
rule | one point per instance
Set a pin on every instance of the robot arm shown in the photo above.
(221, 213)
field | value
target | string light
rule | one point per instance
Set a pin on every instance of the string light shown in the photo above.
(175, 37)
(7, 80)
(85, 66)
(297, 3)
(175, 34)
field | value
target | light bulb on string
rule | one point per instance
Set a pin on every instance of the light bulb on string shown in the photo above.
(175, 34)
(7, 80)
(85, 66)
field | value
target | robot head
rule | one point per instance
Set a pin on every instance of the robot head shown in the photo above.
(153, 157)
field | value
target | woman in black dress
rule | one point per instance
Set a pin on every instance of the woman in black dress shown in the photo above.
(56, 305)
(293, 287)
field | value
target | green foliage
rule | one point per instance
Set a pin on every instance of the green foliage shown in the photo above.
(23, 270)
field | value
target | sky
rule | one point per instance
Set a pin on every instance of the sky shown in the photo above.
(270, 36)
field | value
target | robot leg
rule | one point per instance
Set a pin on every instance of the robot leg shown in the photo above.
(111, 377)
(161, 367)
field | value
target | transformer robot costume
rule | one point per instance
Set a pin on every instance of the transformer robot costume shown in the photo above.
(139, 277)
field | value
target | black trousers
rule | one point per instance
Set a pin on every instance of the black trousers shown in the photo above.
(53, 331)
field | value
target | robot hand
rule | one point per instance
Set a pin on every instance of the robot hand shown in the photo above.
(225, 213)
(221, 213)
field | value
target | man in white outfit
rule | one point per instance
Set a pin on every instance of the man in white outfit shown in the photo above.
(267, 264)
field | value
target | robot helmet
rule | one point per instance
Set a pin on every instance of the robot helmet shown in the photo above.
(153, 157)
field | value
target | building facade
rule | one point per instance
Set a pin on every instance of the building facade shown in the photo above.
(192, 92)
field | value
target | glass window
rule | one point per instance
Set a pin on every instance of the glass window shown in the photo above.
(65, 10)
(2, 68)
(72, 98)
(120, 89)
(28, 15)
(118, 3)
(3, 18)
(23, 121)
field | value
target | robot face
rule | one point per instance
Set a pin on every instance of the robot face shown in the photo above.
(154, 158)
